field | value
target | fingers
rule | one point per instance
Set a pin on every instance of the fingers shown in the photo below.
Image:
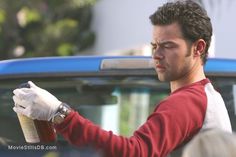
(24, 100)
(21, 102)
(24, 111)
(19, 110)
(23, 97)
(25, 93)
(32, 84)
(21, 92)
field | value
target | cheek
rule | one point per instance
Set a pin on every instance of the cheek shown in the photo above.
(173, 58)
(179, 64)
(179, 56)
(185, 66)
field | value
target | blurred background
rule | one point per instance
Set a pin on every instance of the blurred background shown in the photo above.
(97, 27)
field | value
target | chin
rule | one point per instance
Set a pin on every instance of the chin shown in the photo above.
(162, 79)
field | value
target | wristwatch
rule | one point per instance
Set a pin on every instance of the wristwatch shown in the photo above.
(61, 113)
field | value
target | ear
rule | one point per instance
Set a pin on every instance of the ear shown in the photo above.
(199, 47)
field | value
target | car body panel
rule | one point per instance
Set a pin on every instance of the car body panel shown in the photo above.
(51, 66)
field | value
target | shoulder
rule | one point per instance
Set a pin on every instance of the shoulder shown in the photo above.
(189, 100)
(193, 95)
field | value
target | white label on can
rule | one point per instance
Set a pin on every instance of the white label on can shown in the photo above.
(29, 129)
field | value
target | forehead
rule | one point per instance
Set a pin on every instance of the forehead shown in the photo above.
(167, 32)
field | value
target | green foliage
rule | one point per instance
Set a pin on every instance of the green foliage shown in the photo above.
(125, 109)
(45, 28)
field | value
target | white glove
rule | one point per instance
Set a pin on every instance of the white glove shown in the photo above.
(35, 102)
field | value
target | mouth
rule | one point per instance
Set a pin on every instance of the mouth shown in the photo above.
(160, 67)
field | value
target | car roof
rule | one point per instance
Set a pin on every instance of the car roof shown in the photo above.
(74, 65)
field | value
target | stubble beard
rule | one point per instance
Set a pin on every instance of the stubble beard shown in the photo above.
(168, 76)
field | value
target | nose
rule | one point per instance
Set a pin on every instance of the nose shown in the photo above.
(156, 54)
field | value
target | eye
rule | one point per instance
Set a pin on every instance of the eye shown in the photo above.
(168, 45)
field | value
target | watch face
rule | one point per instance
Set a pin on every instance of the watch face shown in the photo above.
(58, 119)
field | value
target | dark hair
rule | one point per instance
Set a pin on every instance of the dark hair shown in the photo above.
(192, 18)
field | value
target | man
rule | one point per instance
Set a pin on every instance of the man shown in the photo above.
(181, 38)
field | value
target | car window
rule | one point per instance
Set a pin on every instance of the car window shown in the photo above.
(120, 104)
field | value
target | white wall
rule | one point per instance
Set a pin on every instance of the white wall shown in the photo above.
(124, 24)
(224, 25)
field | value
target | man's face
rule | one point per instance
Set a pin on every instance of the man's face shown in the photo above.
(172, 54)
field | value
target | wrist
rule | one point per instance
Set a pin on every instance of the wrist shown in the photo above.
(62, 112)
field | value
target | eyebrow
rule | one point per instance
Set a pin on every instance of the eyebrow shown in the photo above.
(162, 43)
(153, 44)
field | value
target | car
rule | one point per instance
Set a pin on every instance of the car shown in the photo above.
(116, 92)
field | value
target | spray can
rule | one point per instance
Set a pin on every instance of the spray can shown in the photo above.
(36, 131)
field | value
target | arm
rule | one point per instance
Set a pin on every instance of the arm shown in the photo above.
(164, 130)
(174, 121)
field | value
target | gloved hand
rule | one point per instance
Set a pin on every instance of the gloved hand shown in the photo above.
(35, 102)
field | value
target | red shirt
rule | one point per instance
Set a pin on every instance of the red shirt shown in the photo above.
(174, 121)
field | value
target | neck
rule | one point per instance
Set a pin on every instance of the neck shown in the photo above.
(195, 75)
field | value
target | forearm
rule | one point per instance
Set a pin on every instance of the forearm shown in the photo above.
(81, 132)
(150, 140)
(164, 130)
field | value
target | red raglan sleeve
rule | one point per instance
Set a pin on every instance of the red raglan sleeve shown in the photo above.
(174, 121)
